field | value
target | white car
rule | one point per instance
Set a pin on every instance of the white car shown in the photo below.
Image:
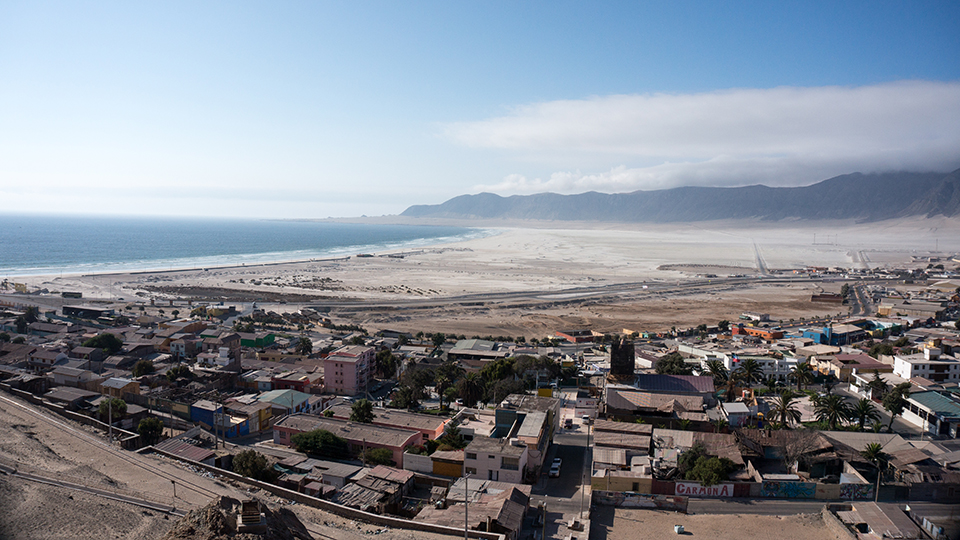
(555, 471)
(557, 462)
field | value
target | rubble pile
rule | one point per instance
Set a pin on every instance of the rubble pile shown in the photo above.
(218, 521)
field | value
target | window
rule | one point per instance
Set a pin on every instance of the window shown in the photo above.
(510, 464)
(471, 456)
(471, 470)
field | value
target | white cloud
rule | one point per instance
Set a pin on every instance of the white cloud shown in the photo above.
(778, 136)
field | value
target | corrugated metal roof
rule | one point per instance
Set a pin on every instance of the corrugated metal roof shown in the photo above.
(185, 450)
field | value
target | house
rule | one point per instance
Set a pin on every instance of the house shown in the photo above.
(359, 436)
(257, 340)
(299, 381)
(286, 401)
(677, 385)
(68, 376)
(736, 413)
(936, 412)
(473, 354)
(502, 460)
(766, 334)
(118, 386)
(43, 360)
(841, 366)
(431, 426)
(71, 398)
(224, 424)
(92, 354)
(378, 490)
(495, 507)
(348, 370)
(625, 403)
(86, 312)
(843, 334)
(930, 364)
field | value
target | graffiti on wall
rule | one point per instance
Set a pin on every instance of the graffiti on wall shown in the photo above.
(788, 490)
(622, 499)
(856, 491)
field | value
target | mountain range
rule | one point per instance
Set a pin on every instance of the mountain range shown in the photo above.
(863, 197)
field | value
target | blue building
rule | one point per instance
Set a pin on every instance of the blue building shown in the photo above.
(843, 334)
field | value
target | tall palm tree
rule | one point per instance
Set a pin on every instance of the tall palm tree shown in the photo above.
(877, 385)
(832, 409)
(752, 370)
(864, 410)
(718, 371)
(802, 373)
(470, 389)
(874, 454)
(785, 408)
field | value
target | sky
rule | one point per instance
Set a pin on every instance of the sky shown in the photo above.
(338, 109)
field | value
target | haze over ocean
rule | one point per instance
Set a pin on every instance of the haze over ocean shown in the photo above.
(46, 244)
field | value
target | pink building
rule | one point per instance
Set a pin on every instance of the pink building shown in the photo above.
(348, 370)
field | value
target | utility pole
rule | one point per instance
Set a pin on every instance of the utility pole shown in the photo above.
(466, 507)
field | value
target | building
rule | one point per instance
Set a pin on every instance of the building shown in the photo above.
(935, 412)
(118, 386)
(431, 426)
(841, 366)
(839, 335)
(348, 370)
(930, 364)
(359, 436)
(473, 354)
(767, 334)
(576, 336)
(501, 460)
(86, 312)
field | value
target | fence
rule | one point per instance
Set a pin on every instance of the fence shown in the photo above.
(624, 499)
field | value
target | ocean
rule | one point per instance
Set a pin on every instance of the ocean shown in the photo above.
(40, 244)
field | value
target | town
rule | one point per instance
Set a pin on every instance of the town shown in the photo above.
(519, 437)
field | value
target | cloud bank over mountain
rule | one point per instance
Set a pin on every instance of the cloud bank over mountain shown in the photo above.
(784, 136)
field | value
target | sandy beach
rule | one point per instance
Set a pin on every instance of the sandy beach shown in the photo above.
(530, 279)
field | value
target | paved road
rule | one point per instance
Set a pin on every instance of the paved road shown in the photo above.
(779, 507)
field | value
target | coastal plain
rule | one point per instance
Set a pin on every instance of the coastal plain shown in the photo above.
(533, 278)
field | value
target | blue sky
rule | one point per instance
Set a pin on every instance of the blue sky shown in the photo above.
(317, 109)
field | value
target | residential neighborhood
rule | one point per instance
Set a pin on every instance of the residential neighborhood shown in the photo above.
(523, 439)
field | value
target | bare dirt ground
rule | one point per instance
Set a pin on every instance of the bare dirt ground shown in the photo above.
(52, 446)
(635, 524)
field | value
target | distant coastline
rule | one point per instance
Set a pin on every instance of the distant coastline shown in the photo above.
(50, 245)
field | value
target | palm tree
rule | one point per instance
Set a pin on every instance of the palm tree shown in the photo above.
(719, 424)
(864, 410)
(832, 409)
(874, 454)
(718, 371)
(470, 389)
(785, 408)
(803, 374)
(752, 370)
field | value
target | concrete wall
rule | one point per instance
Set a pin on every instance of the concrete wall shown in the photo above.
(638, 500)
(417, 463)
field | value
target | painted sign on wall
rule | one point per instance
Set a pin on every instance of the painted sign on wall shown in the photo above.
(691, 489)
(788, 490)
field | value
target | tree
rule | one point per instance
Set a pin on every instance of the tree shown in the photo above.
(497, 370)
(150, 430)
(386, 363)
(4, 337)
(17, 340)
(453, 438)
(143, 367)
(176, 313)
(378, 456)
(178, 372)
(438, 339)
(878, 385)
(32, 314)
(845, 290)
(710, 471)
(253, 464)
(110, 343)
(470, 389)
(118, 406)
(874, 453)
(304, 346)
(752, 370)
(895, 401)
(405, 398)
(803, 374)
(878, 349)
(362, 411)
(320, 442)
(673, 364)
(21, 324)
(501, 389)
(785, 408)
(357, 340)
(723, 326)
(864, 410)
(833, 410)
(718, 371)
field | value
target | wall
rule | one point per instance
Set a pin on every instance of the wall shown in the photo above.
(417, 463)
(788, 490)
(638, 500)
(623, 483)
(835, 525)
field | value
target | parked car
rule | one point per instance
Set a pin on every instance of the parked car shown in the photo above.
(585, 419)
(568, 423)
(557, 462)
(554, 471)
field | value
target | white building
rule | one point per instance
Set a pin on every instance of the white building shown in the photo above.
(501, 460)
(930, 364)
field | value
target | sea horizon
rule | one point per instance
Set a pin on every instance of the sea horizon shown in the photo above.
(42, 244)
